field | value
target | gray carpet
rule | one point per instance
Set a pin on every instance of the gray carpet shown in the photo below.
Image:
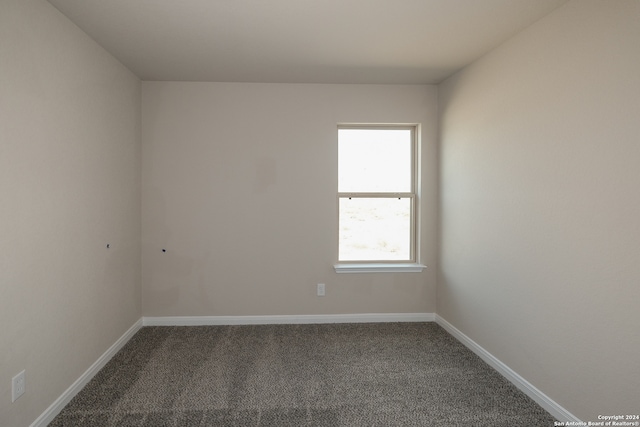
(385, 374)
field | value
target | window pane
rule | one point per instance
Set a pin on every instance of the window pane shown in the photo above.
(377, 229)
(374, 160)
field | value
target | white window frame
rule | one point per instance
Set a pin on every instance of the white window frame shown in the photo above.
(374, 266)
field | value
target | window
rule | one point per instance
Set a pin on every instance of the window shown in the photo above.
(377, 201)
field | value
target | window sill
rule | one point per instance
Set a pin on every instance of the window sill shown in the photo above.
(379, 268)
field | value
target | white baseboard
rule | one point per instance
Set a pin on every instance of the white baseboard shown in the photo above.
(525, 386)
(287, 319)
(47, 416)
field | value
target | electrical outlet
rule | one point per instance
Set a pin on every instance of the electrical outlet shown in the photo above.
(18, 386)
(320, 289)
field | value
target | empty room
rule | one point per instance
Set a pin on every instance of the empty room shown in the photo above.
(319, 213)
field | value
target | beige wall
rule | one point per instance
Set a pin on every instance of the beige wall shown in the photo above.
(69, 184)
(540, 205)
(239, 186)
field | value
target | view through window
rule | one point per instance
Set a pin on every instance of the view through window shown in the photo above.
(376, 192)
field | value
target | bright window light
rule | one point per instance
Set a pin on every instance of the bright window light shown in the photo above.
(376, 192)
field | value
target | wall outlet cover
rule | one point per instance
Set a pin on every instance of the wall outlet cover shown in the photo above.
(18, 386)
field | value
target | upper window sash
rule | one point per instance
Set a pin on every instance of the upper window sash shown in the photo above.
(375, 159)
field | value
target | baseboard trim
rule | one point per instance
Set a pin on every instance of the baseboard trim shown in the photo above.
(50, 413)
(287, 319)
(523, 385)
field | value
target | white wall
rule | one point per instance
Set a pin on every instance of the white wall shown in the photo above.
(540, 205)
(239, 186)
(69, 184)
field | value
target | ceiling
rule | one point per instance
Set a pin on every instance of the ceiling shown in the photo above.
(301, 41)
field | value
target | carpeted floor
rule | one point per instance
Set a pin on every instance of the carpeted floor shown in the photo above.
(384, 374)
